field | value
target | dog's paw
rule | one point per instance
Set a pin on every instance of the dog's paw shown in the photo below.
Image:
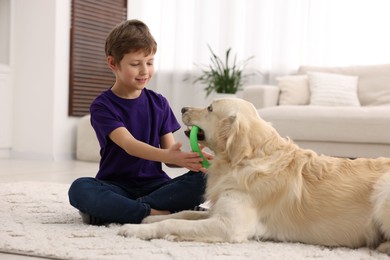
(173, 238)
(140, 231)
(126, 230)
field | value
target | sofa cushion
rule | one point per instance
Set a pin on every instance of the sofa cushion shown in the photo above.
(329, 89)
(374, 81)
(336, 124)
(294, 90)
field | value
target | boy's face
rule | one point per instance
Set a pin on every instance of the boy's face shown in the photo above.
(134, 70)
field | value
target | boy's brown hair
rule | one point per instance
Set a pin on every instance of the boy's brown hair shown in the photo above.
(129, 36)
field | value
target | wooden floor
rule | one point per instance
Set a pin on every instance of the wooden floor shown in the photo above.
(49, 171)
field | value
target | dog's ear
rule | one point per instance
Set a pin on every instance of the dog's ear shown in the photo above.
(224, 131)
(232, 138)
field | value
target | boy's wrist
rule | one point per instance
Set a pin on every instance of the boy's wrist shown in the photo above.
(164, 157)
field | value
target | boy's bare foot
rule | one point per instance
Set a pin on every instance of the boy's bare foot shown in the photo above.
(159, 212)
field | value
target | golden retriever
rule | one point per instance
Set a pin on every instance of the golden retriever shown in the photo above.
(262, 186)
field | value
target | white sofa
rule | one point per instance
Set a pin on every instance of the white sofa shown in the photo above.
(87, 145)
(337, 111)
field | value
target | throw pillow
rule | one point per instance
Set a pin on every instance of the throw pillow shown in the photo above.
(294, 90)
(328, 89)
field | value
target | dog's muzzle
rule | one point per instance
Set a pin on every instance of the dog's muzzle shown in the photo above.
(201, 135)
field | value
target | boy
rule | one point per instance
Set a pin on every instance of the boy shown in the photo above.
(134, 126)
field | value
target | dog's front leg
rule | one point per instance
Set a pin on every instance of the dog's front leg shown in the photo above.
(186, 214)
(206, 230)
(150, 227)
(232, 220)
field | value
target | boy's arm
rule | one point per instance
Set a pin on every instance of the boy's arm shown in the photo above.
(169, 154)
(167, 141)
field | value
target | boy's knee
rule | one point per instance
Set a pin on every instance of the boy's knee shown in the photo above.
(199, 177)
(197, 180)
(78, 189)
(79, 184)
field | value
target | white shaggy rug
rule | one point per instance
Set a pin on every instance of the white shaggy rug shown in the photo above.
(36, 219)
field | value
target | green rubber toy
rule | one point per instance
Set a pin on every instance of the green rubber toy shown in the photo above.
(195, 146)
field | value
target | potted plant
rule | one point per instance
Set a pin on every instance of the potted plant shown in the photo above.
(221, 76)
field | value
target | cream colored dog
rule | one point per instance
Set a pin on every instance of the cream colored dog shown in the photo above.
(263, 186)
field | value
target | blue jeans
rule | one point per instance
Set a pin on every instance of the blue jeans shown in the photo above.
(114, 202)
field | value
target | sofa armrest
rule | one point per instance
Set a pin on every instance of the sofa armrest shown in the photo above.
(87, 144)
(262, 95)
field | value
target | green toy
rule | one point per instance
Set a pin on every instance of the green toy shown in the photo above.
(195, 146)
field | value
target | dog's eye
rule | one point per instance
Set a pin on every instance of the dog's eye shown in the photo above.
(210, 108)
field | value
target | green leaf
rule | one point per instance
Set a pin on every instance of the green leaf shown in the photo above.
(221, 77)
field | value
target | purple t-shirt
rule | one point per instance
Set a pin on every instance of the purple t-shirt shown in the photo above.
(147, 118)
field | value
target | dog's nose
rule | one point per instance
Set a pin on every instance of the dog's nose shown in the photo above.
(184, 109)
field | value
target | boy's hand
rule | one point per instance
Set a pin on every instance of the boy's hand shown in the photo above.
(207, 155)
(189, 160)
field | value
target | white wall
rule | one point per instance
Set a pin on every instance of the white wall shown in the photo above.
(5, 7)
(5, 79)
(5, 110)
(64, 126)
(40, 56)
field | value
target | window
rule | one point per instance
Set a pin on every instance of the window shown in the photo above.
(89, 74)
